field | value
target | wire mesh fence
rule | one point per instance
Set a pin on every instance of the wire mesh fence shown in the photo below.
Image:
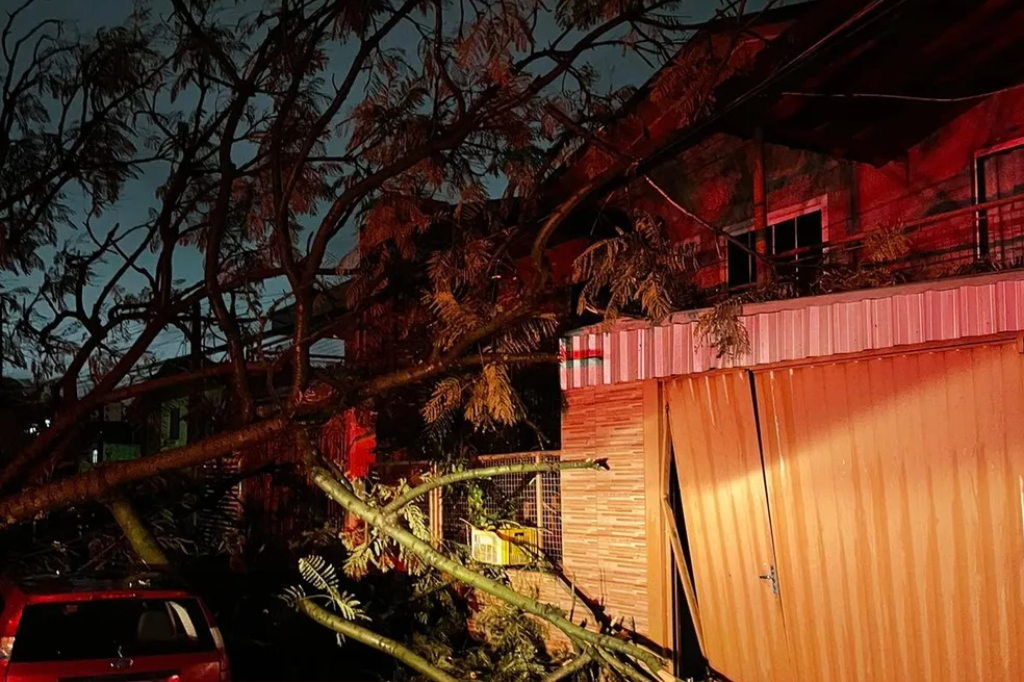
(528, 499)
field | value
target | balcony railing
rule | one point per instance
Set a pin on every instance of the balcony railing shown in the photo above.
(975, 239)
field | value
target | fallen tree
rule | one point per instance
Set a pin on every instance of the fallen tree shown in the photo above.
(431, 133)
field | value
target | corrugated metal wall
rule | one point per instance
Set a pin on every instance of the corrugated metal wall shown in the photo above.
(814, 327)
(897, 498)
(722, 489)
(893, 488)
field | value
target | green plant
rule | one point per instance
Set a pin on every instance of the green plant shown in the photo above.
(321, 575)
(721, 328)
(639, 268)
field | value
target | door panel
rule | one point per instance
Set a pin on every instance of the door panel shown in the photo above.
(723, 496)
(897, 493)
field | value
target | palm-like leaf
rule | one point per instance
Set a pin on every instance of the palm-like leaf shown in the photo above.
(319, 573)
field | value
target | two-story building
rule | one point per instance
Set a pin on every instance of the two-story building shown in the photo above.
(839, 495)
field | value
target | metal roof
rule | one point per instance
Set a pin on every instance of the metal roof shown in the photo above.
(800, 329)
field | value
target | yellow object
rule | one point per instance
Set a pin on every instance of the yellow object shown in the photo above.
(507, 546)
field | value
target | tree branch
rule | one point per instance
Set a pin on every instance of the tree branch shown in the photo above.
(139, 536)
(570, 668)
(347, 499)
(101, 480)
(396, 505)
(374, 640)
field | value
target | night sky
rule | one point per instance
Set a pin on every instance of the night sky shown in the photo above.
(138, 197)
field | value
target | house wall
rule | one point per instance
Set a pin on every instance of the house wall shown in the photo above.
(608, 522)
(604, 538)
(606, 518)
(713, 180)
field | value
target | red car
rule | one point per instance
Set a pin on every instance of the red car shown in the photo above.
(139, 629)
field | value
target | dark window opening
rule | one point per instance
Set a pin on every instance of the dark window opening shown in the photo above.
(118, 433)
(797, 245)
(174, 428)
(742, 266)
(111, 628)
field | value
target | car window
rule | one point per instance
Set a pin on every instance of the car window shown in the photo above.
(110, 628)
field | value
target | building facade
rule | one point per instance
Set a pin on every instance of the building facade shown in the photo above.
(839, 496)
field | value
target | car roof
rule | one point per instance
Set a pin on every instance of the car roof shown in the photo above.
(79, 584)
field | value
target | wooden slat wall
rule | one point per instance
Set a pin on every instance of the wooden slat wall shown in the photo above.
(603, 512)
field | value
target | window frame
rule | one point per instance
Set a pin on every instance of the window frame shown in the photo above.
(981, 217)
(174, 423)
(781, 215)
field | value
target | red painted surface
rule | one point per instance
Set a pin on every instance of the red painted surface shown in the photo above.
(559, 260)
(713, 181)
(360, 442)
(211, 664)
(707, 62)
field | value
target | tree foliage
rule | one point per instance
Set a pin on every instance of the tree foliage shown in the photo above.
(434, 132)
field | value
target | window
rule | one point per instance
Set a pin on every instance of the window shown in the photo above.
(804, 234)
(742, 266)
(801, 229)
(174, 424)
(130, 627)
(999, 174)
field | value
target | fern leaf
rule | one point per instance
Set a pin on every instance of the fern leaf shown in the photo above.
(447, 396)
(292, 595)
(316, 571)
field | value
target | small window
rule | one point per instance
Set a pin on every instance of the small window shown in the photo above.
(174, 424)
(796, 243)
(742, 265)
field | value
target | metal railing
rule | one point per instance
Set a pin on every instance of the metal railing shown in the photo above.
(973, 239)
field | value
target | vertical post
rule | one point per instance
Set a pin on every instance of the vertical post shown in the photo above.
(539, 492)
(660, 603)
(436, 511)
(759, 192)
(193, 421)
(3, 321)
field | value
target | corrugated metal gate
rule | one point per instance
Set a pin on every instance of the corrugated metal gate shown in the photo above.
(893, 494)
(724, 501)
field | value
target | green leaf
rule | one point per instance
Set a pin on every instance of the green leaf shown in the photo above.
(316, 571)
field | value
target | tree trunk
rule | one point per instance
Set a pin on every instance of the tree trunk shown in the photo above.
(103, 479)
(73, 414)
(139, 536)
